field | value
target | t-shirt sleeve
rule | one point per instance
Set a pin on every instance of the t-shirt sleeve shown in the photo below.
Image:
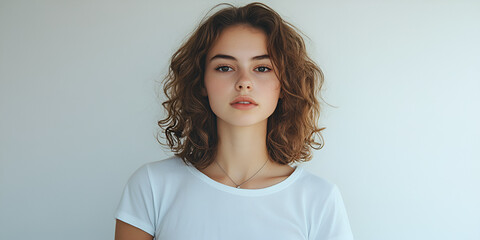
(136, 205)
(333, 223)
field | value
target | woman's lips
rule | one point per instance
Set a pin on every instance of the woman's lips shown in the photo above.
(243, 106)
(243, 99)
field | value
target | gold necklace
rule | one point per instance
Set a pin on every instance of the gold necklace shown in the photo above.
(238, 185)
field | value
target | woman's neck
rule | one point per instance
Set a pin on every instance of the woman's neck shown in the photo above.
(242, 151)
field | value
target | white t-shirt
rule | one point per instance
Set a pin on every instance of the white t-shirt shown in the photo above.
(171, 200)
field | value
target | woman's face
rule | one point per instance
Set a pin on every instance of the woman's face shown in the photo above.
(238, 65)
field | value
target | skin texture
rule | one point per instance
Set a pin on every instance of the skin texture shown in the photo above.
(241, 76)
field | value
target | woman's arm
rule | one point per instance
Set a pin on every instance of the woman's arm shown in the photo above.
(125, 231)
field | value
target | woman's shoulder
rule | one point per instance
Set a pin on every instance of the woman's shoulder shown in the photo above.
(166, 164)
(156, 175)
(315, 184)
(161, 168)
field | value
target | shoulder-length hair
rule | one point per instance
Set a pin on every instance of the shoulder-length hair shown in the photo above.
(190, 126)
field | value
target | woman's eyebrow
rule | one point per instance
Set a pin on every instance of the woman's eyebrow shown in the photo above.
(223, 56)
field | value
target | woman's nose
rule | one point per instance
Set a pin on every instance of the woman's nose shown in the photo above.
(244, 82)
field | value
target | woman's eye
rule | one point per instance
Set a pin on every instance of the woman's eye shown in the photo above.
(224, 69)
(262, 69)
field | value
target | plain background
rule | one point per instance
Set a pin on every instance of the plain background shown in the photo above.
(78, 110)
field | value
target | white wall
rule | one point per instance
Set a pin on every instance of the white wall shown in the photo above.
(78, 110)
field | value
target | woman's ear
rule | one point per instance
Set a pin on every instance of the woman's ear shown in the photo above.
(203, 92)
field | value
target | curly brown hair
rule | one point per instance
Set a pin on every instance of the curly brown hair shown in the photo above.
(190, 126)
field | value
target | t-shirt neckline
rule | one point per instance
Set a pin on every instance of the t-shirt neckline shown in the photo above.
(247, 192)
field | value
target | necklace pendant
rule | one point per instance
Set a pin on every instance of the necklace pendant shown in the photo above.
(238, 186)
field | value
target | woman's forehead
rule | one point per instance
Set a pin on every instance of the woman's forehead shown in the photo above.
(240, 42)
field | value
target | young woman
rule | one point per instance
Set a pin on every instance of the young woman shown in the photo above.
(242, 109)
